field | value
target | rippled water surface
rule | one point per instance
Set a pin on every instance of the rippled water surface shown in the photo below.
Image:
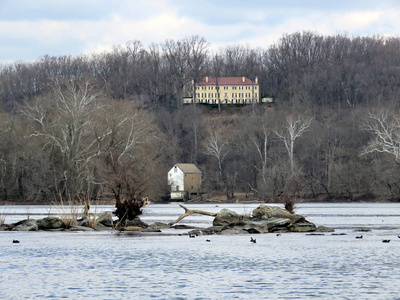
(110, 265)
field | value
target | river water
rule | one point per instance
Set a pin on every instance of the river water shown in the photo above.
(112, 265)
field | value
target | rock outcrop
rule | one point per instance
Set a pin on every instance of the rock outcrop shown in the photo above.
(264, 219)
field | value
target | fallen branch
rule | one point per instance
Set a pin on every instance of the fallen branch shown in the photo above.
(188, 212)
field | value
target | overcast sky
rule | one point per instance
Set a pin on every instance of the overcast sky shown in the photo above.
(30, 29)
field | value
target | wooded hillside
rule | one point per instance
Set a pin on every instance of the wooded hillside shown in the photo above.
(111, 125)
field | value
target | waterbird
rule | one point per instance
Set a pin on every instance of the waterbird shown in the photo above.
(386, 241)
(208, 241)
(15, 242)
(359, 237)
(253, 240)
(278, 234)
(192, 235)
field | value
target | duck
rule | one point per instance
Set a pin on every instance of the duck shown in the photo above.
(15, 242)
(359, 237)
(192, 235)
(278, 234)
(208, 240)
(253, 240)
(386, 241)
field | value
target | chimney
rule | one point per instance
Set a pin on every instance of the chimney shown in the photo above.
(243, 78)
(206, 78)
(256, 80)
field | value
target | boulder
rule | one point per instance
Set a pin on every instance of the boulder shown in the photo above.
(5, 227)
(303, 227)
(26, 225)
(266, 212)
(227, 217)
(105, 218)
(136, 222)
(251, 226)
(49, 223)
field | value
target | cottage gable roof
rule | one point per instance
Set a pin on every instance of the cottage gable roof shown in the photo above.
(226, 81)
(188, 168)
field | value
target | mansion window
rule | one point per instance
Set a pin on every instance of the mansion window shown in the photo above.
(210, 95)
(203, 88)
(203, 95)
(225, 88)
(234, 94)
(234, 88)
(210, 87)
(247, 95)
(240, 87)
(248, 87)
(241, 95)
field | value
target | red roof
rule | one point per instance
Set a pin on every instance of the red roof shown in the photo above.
(225, 81)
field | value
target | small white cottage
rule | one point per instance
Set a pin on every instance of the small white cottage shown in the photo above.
(184, 179)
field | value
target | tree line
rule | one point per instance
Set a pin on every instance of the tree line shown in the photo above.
(111, 125)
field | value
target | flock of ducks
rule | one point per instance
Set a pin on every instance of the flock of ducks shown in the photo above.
(278, 234)
(251, 239)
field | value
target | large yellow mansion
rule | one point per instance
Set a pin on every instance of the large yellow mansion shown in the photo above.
(226, 90)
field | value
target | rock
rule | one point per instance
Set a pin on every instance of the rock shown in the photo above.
(101, 227)
(49, 223)
(303, 227)
(80, 228)
(132, 228)
(159, 225)
(363, 229)
(149, 229)
(5, 227)
(324, 229)
(226, 217)
(234, 230)
(255, 226)
(267, 212)
(26, 225)
(105, 218)
(136, 222)
(207, 231)
(184, 227)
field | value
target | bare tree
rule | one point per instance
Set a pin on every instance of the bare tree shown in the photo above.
(385, 130)
(294, 128)
(65, 126)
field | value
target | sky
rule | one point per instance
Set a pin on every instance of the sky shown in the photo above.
(31, 29)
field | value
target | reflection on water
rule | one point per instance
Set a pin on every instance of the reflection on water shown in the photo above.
(109, 265)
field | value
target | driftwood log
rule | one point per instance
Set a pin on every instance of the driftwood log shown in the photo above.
(189, 212)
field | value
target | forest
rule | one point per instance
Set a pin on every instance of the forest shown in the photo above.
(110, 125)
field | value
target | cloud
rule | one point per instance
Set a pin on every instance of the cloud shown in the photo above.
(40, 27)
